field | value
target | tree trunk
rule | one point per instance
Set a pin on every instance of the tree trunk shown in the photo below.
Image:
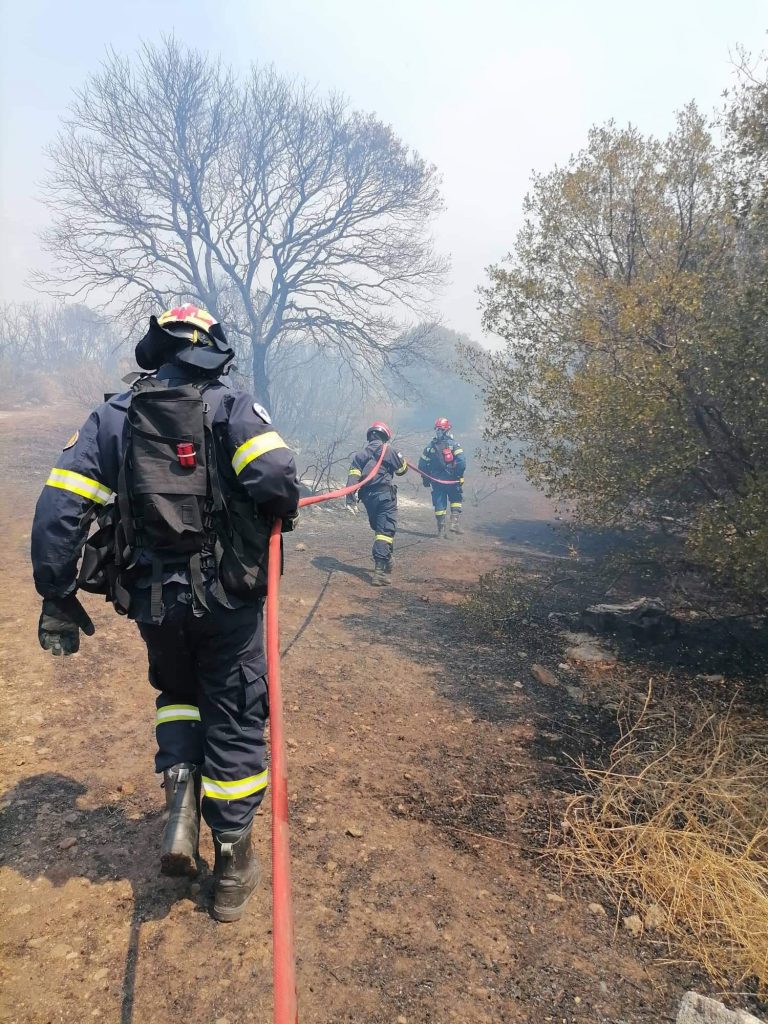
(260, 379)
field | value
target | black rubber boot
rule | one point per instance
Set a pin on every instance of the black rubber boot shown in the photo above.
(380, 578)
(441, 528)
(235, 873)
(456, 522)
(182, 831)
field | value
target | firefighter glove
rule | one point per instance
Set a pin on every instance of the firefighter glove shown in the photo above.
(425, 482)
(290, 522)
(61, 620)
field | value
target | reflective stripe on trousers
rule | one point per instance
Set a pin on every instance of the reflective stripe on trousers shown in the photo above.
(213, 703)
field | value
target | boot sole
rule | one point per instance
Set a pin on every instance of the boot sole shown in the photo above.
(178, 865)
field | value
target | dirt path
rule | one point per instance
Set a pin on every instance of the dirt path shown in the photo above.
(421, 780)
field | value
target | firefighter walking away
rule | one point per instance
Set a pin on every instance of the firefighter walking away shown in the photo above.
(443, 458)
(379, 496)
(184, 476)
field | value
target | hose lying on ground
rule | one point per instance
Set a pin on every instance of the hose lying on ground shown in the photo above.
(286, 1010)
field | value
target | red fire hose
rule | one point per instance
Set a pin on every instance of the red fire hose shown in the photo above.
(448, 483)
(286, 1010)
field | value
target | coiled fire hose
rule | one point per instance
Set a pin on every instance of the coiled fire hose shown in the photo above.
(286, 1009)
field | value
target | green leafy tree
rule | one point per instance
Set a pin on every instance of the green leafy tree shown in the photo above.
(632, 307)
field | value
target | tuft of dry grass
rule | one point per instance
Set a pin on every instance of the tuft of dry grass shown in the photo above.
(677, 830)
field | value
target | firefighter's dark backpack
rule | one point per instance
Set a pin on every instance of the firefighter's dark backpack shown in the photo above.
(170, 512)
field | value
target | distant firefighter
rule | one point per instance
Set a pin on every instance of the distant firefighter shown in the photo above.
(444, 459)
(379, 496)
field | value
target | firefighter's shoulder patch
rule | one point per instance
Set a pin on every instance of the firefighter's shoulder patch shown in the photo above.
(72, 441)
(261, 412)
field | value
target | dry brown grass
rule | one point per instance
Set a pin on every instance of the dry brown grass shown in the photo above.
(677, 830)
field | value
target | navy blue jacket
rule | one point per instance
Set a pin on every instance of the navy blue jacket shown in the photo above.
(252, 459)
(393, 464)
(434, 462)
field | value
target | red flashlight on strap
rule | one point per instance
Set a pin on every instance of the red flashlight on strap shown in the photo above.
(185, 452)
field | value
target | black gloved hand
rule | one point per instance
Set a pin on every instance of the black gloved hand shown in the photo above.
(425, 482)
(290, 522)
(61, 620)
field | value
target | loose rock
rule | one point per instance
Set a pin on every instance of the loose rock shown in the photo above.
(543, 675)
(654, 917)
(356, 833)
(591, 654)
(68, 843)
(633, 924)
(696, 1009)
(645, 618)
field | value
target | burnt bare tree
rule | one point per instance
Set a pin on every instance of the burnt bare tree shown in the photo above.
(292, 218)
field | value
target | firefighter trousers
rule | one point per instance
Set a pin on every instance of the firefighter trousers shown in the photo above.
(382, 515)
(444, 495)
(213, 702)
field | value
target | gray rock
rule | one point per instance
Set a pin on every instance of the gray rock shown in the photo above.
(696, 1009)
(646, 618)
(591, 654)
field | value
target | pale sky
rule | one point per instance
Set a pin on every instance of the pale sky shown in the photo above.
(488, 90)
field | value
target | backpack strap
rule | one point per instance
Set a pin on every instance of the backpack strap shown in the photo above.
(156, 593)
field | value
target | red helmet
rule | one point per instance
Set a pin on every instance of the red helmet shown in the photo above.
(380, 428)
(441, 423)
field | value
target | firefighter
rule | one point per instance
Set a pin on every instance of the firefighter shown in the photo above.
(198, 474)
(444, 460)
(379, 496)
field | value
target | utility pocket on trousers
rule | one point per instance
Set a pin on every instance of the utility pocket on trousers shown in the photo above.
(254, 696)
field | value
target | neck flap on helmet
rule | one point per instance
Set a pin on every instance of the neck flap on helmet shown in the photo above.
(209, 356)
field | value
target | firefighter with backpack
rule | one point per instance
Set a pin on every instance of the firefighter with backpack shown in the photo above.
(443, 459)
(184, 475)
(379, 497)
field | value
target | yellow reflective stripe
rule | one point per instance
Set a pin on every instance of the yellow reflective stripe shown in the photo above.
(254, 447)
(234, 790)
(355, 472)
(458, 451)
(441, 512)
(383, 536)
(455, 504)
(66, 480)
(177, 713)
